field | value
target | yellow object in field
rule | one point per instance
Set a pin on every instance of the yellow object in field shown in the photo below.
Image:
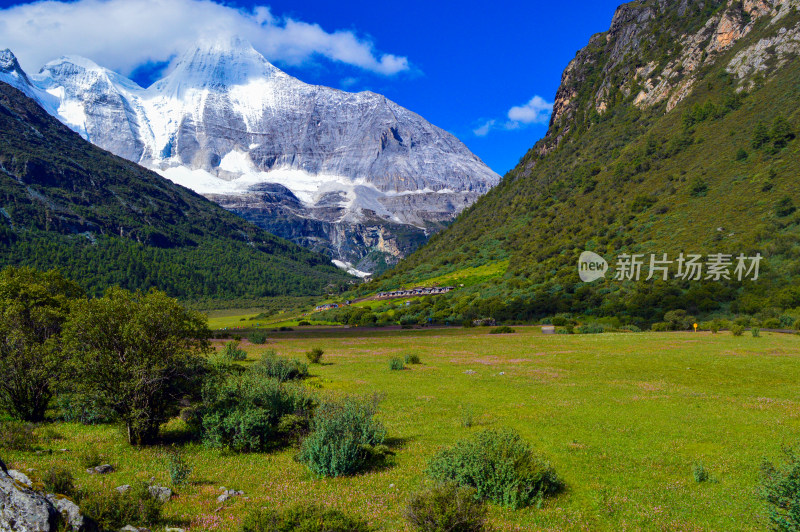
(695, 327)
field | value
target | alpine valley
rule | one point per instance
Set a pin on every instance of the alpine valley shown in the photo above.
(354, 176)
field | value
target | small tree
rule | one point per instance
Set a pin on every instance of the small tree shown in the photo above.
(33, 308)
(139, 354)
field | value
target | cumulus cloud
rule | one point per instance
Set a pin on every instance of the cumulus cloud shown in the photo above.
(483, 130)
(536, 111)
(125, 34)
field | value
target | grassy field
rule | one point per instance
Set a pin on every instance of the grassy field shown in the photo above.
(622, 417)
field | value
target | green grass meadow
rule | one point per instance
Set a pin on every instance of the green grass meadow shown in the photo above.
(622, 417)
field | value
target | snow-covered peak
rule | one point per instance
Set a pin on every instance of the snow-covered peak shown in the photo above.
(217, 65)
(10, 71)
(80, 74)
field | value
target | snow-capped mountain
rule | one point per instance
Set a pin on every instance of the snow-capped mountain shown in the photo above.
(346, 173)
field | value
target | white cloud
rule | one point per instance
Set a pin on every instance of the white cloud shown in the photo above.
(124, 34)
(536, 111)
(483, 130)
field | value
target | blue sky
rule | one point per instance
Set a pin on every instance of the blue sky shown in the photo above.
(485, 71)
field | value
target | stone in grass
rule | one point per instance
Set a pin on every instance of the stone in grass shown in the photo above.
(67, 508)
(470, 372)
(131, 528)
(125, 488)
(160, 492)
(22, 508)
(227, 494)
(101, 469)
(174, 530)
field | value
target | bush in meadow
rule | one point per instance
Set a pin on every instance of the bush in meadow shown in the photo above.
(500, 465)
(233, 352)
(315, 355)
(344, 437)
(251, 412)
(280, 368)
(780, 489)
(412, 359)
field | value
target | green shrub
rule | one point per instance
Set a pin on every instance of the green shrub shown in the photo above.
(279, 368)
(412, 359)
(500, 465)
(246, 412)
(700, 473)
(177, 466)
(258, 337)
(447, 507)
(503, 329)
(302, 518)
(231, 351)
(17, 436)
(396, 364)
(741, 154)
(315, 355)
(756, 332)
(59, 480)
(303, 323)
(737, 330)
(772, 323)
(344, 437)
(698, 187)
(780, 489)
(660, 326)
(591, 328)
(113, 510)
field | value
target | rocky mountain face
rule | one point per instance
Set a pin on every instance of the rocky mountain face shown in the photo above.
(348, 173)
(675, 131)
(655, 52)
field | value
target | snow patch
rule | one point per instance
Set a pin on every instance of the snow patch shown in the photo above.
(346, 266)
(237, 162)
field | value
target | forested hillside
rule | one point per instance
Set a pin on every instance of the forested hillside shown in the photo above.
(673, 132)
(103, 221)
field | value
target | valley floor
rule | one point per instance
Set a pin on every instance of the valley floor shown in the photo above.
(622, 417)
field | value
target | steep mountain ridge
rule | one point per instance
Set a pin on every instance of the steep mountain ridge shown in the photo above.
(224, 122)
(104, 220)
(673, 132)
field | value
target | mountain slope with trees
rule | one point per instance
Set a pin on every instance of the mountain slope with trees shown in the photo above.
(673, 132)
(105, 221)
